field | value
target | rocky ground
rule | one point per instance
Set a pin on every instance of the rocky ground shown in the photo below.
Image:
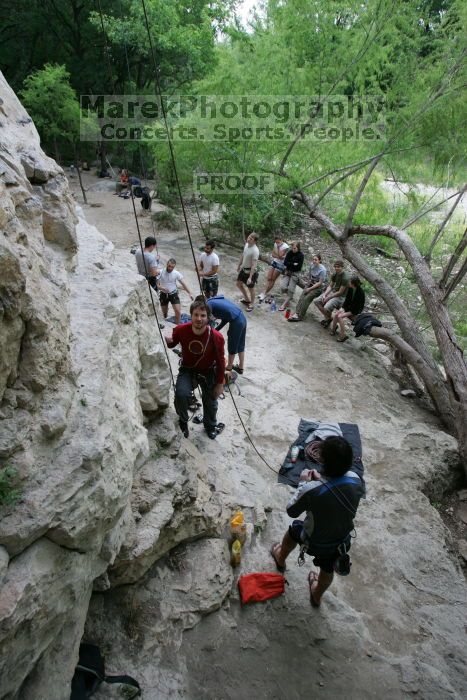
(395, 627)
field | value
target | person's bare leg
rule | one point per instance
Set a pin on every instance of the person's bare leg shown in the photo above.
(320, 308)
(320, 585)
(341, 322)
(282, 551)
(177, 312)
(334, 323)
(252, 294)
(244, 290)
(241, 359)
(165, 310)
(230, 361)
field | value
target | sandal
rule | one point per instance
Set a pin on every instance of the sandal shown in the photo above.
(238, 369)
(249, 308)
(326, 323)
(312, 577)
(342, 339)
(244, 301)
(294, 319)
(272, 552)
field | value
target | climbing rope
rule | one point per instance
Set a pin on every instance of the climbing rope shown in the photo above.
(174, 166)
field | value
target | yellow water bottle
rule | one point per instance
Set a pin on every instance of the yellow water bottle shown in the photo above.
(238, 527)
(236, 553)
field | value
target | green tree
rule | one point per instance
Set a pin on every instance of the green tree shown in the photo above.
(53, 105)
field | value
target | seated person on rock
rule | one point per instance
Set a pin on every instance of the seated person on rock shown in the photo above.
(122, 183)
(276, 266)
(293, 262)
(330, 501)
(148, 261)
(334, 295)
(317, 275)
(202, 364)
(352, 306)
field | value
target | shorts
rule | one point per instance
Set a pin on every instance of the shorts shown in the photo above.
(243, 276)
(210, 285)
(334, 303)
(323, 557)
(236, 336)
(165, 297)
(278, 265)
(289, 283)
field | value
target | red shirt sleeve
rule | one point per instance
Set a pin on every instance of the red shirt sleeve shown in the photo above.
(175, 338)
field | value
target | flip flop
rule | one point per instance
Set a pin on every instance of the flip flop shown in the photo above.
(198, 419)
(312, 577)
(249, 308)
(326, 323)
(343, 339)
(294, 319)
(279, 567)
(237, 369)
(244, 301)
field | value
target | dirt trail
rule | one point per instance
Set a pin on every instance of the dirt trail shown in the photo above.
(396, 626)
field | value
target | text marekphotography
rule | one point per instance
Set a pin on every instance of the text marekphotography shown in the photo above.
(232, 118)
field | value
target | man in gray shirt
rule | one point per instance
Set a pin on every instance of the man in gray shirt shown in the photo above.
(147, 265)
(247, 275)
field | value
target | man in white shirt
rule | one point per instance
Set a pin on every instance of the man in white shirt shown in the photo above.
(147, 262)
(247, 275)
(208, 269)
(276, 266)
(168, 289)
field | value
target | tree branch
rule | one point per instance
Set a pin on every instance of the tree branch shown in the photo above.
(461, 246)
(438, 233)
(358, 195)
(455, 281)
(424, 212)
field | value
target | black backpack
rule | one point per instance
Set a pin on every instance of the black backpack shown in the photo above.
(90, 673)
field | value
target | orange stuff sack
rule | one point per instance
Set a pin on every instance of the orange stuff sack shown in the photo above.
(254, 588)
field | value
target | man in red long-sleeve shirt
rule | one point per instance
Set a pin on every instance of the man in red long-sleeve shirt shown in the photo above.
(203, 365)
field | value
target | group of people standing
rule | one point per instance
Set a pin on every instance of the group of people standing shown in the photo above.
(329, 498)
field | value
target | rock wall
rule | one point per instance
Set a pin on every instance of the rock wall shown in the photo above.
(82, 369)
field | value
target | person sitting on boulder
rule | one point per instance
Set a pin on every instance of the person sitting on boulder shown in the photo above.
(276, 266)
(313, 288)
(122, 184)
(293, 263)
(352, 306)
(334, 295)
(202, 364)
(330, 500)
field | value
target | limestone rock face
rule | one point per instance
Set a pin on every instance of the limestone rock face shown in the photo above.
(81, 363)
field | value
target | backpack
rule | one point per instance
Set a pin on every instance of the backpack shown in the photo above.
(254, 588)
(90, 673)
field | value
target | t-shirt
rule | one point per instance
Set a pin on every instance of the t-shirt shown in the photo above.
(278, 249)
(339, 279)
(318, 273)
(225, 310)
(151, 261)
(329, 516)
(200, 352)
(209, 261)
(250, 254)
(168, 280)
